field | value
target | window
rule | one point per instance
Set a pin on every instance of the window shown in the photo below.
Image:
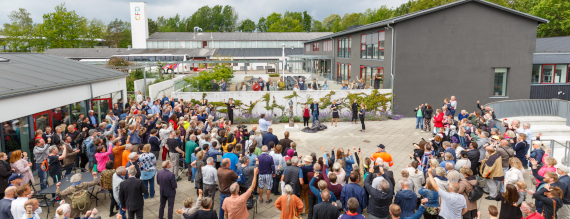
(343, 72)
(547, 72)
(568, 74)
(343, 47)
(536, 74)
(500, 85)
(327, 46)
(307, 47)
(316, 47)
(17, 132)
(560, 74)
(370, 46)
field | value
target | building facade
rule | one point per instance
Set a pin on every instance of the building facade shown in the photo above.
(551, 69)
(471, 49)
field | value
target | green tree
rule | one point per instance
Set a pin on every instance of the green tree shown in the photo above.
(329, 21)
(19, 32)
(229, 18)
(96, 30)
(246, 25)
(307, 21)
(262, 24)
(317, 26)
(63, 28)
(204, 79)
(349, 20)
(558, 13)
(272, 19)
(374, 15)
(116, 32)
(286, 24)
(125, 42)
(152, 26)
(294, 15)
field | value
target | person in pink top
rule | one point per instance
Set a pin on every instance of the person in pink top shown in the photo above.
(102, 156)
(549, 163)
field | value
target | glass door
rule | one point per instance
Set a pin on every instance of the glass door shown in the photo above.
(100, 108)
(42, 120)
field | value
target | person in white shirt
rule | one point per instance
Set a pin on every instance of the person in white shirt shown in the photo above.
(18, 210)
(453, 205)
(526, 130)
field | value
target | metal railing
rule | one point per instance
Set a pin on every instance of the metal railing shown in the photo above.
(538, 107)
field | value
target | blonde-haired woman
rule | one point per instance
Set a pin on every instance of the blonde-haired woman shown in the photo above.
(290, 205)
(515, 173)
(19, 161)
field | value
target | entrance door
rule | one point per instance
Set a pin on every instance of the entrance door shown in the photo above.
(100, 107)
(42, 120)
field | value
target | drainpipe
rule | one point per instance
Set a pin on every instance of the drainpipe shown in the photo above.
(392, 67)
(332, 59)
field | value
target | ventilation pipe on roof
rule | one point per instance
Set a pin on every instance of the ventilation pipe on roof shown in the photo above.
(196, 29)
(392, 66)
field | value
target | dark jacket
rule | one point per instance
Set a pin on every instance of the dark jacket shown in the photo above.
(5, 205)
(427, 112)
(266, 164)
(285, 145)
(131, 193)
(313, 108)
(548, 203)
(292, 178)
(380, 201)
(270, 137)
(564, 182)
(407, 200)
(325, 210)
(5, 173)
(167, 182)
(354, 190)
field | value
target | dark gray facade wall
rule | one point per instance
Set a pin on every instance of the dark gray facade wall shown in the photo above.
(355, 60)
(455, 51)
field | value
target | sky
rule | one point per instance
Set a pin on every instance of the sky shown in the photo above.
(108, 10)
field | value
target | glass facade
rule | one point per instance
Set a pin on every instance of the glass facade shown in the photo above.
(372, 46)
(222, 44)
(16, 135)
(550, 74)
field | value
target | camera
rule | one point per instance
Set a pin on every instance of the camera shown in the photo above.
(242, 127)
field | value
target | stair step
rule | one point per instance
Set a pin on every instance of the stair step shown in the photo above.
(539, 120)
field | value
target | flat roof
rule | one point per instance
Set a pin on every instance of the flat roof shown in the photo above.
(253, 52)
(105, 53)
(26, 73)
(553, 45)
(235, 36)
(428, 11)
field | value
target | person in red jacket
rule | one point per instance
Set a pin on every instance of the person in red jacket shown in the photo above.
(438, 120)
(306, 115)
(256, 86)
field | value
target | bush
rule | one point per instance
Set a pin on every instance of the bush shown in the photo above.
(273, 75)
(204, 79)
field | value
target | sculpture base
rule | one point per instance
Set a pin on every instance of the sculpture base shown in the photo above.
(292, 129)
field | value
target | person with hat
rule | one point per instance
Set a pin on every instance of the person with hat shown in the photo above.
(306, 168)
(381, 153)
(15, 179)
(564, 184)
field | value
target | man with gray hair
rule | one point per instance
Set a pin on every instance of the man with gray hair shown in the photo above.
(235, 205)
(406, 199)
(131, 194)
(381, 196)
(453, 205)
(482, 142)
(226, 177)
(118, 177)
(134, 161)
(167, 182)
(209, 178)
(293, 176)
(266, 173)
(526, 130)
(529, 209)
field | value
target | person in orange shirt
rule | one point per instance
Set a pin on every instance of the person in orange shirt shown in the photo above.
(126, 152)
(383, 155)
(118, 153)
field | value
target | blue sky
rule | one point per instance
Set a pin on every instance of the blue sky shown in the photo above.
(108, 10)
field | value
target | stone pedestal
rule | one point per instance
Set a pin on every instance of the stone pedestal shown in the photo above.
(292, 129)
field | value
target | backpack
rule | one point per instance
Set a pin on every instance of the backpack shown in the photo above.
(454, 139)
(241, 179)
(45, 166)
(80, 200)
(475, 194)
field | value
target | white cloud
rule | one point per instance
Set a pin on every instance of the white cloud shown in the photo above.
(108, 10)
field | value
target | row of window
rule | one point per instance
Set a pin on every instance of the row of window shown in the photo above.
(372, 45)
(221, 44)
(153, 58)
(344, 46)
(327, 46)
(550, 73)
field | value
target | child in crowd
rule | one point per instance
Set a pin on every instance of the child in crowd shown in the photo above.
(188, 208)
(521, 188)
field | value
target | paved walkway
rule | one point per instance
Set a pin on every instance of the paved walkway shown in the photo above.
(396, 135)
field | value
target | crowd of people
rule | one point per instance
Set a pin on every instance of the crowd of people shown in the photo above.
(445, 178)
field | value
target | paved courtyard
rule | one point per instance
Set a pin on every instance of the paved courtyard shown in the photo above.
(396, 135)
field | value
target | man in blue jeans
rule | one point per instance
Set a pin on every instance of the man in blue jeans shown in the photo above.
(40, 153)
(419, 117)
(315, 110)
(118, 177)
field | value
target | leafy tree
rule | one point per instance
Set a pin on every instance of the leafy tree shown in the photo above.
(317, 26)
(125, 42)
(204, 79)
(307, 21)
(286, 24)
(374, 15)
(294, 15)
(19, 32)
(246, 25)
(558, 12)
(230, 17)
(152, 26)
(272, 19)
(349, 20)
(262, 24)
(96, 30)
(63, 28)
(116, 32)
(329, 21)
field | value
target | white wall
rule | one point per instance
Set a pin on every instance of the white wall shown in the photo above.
(25, 105)
(139, 84)
(278, 96)
(139, 25)
(155, 91)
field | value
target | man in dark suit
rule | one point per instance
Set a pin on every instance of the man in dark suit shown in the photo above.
(325, 209)
(315, 110)
(270, 137)
(131, 193)
(167, 182)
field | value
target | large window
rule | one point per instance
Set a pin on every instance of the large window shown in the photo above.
(316, 47)
(327, 46)
(536, 74)
(344, 47)
(17, 135)
(308, 47)
(547, 72)
(560, 74)
(369, 74)
(550, 73)
(372, 45)
(500, 84)
(343, 71)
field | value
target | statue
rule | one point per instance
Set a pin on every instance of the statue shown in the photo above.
(291, 120)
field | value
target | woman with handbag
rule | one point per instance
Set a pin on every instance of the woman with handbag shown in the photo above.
(290, 205)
